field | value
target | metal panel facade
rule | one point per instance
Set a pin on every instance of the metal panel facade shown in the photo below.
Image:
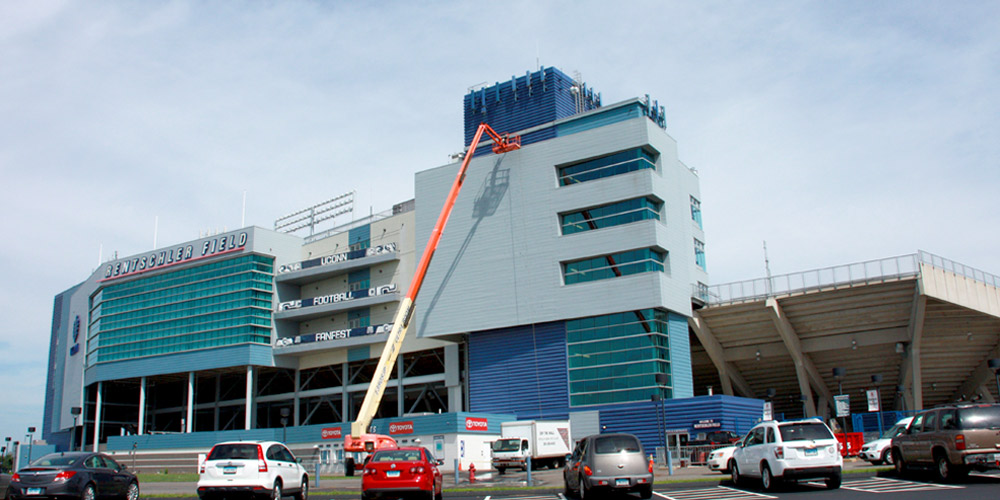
(520, 370)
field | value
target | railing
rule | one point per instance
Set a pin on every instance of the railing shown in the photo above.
(959, 269)
(873, 271)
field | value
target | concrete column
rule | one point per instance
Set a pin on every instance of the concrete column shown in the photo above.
(400, 391)
(295, 400)
(142, 405)
(97, 417)
(248, 422)
(452, 378)
(190, 404)
(345, 403)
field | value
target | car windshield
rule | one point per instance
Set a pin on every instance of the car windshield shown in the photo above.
(894, 431)
(979, 417)
(615, 444)
(396, 456)
(234, 452)
(507, 445)
(804, 431)
(55, 459)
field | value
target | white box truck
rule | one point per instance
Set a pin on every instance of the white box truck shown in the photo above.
(547, 442)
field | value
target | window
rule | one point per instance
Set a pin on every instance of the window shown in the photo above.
(618, 357)
(696, 211)
(359, 280)
(613, 214)
(643, 260)
(358, 318)
(607, 166)
(699, 253)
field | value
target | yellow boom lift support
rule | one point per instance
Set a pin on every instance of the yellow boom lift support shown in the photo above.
(360, 439)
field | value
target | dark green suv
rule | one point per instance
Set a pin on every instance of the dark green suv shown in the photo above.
(952, 439)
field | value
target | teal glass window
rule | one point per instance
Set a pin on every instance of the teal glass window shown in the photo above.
(643, 260)
(358, 318)
(614, 214)
(359, 280)
(696, 211)
(617, 357)
(222, 303)
(699, 253)
(618, 163)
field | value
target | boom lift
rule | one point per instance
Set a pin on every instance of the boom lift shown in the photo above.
(359, 439)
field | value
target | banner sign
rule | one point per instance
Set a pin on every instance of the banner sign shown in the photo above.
(873, 402)
(843, 402)
(173, 256)
(330, 433)
(476, 424)
(336, 258)
(401, 427)
(707, 424)
(337, 297)
(333, 335)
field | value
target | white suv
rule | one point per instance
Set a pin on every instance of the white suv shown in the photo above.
(257, 468)
(777, 451)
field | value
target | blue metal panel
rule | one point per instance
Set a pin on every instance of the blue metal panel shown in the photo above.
(520, 370)
(223, 357)
(52, 389)
(523, 102)
(680, 356)
(733, 413)
(359, 234)
(359, 353)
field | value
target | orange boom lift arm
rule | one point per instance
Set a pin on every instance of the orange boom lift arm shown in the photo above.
(359, 439)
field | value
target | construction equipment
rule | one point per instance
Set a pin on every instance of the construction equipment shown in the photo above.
(359, 439)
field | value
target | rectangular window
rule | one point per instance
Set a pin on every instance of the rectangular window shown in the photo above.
(606, 166)
(699, 253)
(643, 260)
(359, 280)
(614, 214)
(696, 211)
(358, 318)
(618, 357)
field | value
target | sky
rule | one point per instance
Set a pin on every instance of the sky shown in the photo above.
(837, 132)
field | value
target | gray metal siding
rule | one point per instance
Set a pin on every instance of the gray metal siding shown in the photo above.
(498, 261)
(520, 370)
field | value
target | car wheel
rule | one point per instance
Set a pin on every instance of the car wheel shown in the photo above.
(767, 479)
(303, 493)
(439, 495)
(88, 493)
(133, 491)
(899, 463)
(734, 473)
(833, 482)
(276, 493)
(946, 472)
(582, 490)
(887, 457)
(646, 491)
(500, 470)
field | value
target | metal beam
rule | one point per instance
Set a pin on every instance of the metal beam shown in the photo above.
(842, 341)
(977, 379)
(909, 375)
(806, 371)
(728, 373)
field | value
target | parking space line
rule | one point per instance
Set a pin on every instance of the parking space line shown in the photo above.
(717, 493)
(889, 485)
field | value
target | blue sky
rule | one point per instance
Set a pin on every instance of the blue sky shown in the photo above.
(836, 131)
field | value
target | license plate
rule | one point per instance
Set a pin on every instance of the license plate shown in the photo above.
(811, 452)
(229, 470)
(33, 491)
(621, 482)
(392, 473)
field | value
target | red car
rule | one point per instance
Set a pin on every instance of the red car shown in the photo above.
(402, 472)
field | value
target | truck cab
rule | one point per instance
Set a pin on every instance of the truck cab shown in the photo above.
(510, 453)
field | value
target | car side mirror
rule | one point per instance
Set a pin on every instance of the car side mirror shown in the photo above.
(439, 461)
(298, 460)
(569, 458)
(739, 444)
